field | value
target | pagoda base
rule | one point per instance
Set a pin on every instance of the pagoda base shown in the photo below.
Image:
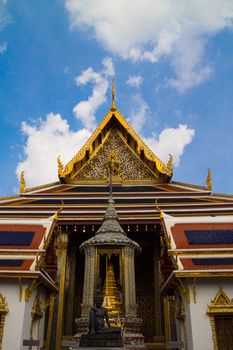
(82, 325)
(101, 340)
(133, 338)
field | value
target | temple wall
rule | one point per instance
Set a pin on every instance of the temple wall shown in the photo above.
(18, 319)
(197, 321)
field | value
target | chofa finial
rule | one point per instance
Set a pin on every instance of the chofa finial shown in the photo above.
(60, 166)
(169, 164)
(59, 211)
(113, 97)
(208, 180)
(161, 214)
(22, 182)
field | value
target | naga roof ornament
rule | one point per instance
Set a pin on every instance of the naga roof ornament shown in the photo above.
(209, 180)
(22, 183)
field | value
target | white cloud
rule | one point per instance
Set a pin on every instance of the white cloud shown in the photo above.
(85, 110)
(171, 140)
(186, 64)
(4, 20)
(4, 17)
(149, 30)
(45, 142)
(3, 47)
(138, 113)
(134, 80)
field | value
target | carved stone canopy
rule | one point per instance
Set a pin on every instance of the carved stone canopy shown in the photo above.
(110, 233)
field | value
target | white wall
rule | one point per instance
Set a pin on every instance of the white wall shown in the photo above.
(18, 319)
(198, 328)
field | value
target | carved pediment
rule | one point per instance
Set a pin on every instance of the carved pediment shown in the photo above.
(128, 165)
(114, 133)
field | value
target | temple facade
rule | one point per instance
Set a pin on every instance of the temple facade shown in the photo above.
(160, 251)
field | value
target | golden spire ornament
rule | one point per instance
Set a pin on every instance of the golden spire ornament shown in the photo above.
(22, 182)
(60, 166)
(169, 164)
(208, 180)
(113, 108)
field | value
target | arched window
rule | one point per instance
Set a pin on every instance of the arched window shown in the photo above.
(220, 312)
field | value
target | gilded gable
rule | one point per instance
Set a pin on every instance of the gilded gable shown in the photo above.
(128, 165)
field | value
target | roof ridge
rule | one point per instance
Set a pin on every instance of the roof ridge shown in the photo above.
(40, 187)
(12, 196)
(225, 195)
(200, 187)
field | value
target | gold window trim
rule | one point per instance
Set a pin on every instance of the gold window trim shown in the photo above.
(221, 305)
(3, 311)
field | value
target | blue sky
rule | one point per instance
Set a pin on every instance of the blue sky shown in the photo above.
(173, 70)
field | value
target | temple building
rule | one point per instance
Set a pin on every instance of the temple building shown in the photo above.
(160, 251)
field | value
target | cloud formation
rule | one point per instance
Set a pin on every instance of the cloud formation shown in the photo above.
(3, 47)
(85, 110)
(171, 140)
(150, 30)
(47, 140)
(134, 80)
(138, 112)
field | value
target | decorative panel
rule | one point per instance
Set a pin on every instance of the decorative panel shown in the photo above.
(127, 164)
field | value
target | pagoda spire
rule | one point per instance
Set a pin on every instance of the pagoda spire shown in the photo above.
(113, 108)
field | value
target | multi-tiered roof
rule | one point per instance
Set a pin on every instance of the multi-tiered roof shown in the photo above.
(139, 179)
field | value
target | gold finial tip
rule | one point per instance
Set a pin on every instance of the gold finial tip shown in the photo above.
(209, 180)
(22, 182)
(169, 164)
(60, 166)
(113, 96)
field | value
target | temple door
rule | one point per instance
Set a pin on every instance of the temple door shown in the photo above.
(224, 331)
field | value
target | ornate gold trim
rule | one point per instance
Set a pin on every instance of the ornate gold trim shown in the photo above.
(180, 311)
(214, 335)
(37, 311)
(29, 290)
(220, 305)
(61, 252)
(20, 289)
(167, 318)
(50, 321)
(181, 274)
(3, 311)
(194, 290)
